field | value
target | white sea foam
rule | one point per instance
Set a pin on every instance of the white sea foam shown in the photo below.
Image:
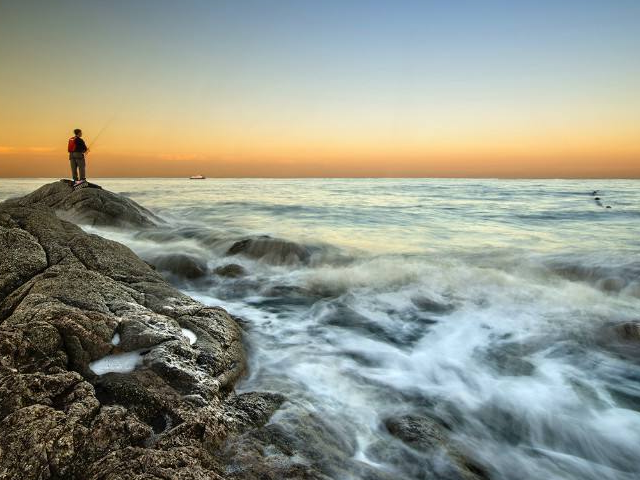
(118, 363)
(190, 335)
(509, 349)
(116, 339)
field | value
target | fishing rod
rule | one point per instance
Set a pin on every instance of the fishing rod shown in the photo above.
(106, 125)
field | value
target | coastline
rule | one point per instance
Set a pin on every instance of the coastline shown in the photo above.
(66, 297)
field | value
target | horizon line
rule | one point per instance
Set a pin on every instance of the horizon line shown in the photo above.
(335, 178)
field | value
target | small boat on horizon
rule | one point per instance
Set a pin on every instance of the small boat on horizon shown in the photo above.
(197, 177)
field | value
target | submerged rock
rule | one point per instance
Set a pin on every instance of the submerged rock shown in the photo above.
(64, 295)
(426, 435)
(621, 338)
(232, 270)
(301, 445)
(91, 205)
(429, 305)
(628, 331)
(421, 433)
(271, 250)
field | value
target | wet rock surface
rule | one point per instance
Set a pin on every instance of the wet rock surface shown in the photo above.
(90, 205)
(64, 295)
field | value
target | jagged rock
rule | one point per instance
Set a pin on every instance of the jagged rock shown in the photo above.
(232, 270)
(144, 331)
(91, 205)
(63, 296)
(180, 265)
(271, 250)
(253, 409)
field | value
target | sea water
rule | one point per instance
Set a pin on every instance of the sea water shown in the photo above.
(487, 305)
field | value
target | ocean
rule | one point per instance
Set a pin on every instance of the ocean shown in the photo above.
(487, 305)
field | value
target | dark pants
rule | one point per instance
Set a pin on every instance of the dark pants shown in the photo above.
(77, 163)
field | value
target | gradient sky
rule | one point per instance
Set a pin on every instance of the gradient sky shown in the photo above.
(322, 88)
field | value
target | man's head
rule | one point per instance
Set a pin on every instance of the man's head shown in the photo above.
(78, 132)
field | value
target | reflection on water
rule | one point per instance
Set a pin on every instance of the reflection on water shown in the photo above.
(485, 305)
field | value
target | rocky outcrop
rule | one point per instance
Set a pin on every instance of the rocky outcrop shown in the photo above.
(69, 299)
(90, 205)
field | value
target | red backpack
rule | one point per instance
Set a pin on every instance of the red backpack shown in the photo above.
(71, 147)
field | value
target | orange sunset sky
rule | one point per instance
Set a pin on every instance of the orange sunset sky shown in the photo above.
(325, 89)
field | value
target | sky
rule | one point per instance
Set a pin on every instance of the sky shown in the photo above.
(308, 88)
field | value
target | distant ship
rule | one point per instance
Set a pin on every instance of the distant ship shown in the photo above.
(197, 177)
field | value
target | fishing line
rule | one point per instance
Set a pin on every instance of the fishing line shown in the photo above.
(106, 125)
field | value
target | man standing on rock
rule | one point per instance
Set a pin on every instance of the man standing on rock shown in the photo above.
(77, 150)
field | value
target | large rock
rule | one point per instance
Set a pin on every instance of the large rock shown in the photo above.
(90, 205)
(180, 265)
(64, 294)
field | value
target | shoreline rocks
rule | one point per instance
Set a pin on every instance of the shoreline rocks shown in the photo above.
(69, 299)
(64, 295)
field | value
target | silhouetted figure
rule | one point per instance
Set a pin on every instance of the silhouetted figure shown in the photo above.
(77, 150)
